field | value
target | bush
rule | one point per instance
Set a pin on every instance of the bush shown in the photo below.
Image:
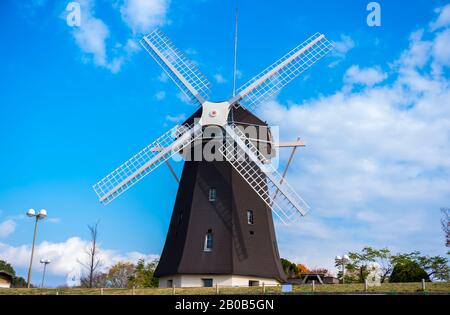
(408, 271)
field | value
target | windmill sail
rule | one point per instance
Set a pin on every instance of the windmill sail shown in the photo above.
(182, 71)
(283, 71)
(261, 176)
(146, 161)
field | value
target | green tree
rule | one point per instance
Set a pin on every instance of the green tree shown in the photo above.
(290, 269)
(408, 271)
(435, 266)
(357, 267)
(143, 276)
(120, 274)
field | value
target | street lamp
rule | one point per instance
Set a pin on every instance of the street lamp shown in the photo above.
(45, 262)
(40, 215)
(342, 261)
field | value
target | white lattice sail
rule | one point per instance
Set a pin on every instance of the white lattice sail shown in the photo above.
(146, 161)
(251, 164)
(177, 66)
(283, 71)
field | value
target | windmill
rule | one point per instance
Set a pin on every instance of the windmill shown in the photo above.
(221, 230)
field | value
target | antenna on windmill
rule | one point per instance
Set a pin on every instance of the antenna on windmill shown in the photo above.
(235, 49)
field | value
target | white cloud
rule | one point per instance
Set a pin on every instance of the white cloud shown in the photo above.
(163, 77)
(220, 78)
(341, 48)
(441, 48)
(160, 95)
(443, 18)
(417, 54)
(144, 15)
(376, 167)
(177, 118)
(365, 76)
(183, 98)
(7, 228)
(91, 36)
(65, 256)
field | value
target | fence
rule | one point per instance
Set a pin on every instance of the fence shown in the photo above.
(311, 288)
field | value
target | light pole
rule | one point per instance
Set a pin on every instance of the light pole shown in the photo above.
(342, 261)
(40, 215)
(45, 262)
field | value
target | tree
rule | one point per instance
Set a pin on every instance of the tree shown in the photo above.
(408, 271)
(98, 280)
(93, 263)
(436, 267)
(289, 268)
(302, 268)
(357, 269)
(384, 259)
(445, 223)
(19, 282)
(120, 274)
(143, 276)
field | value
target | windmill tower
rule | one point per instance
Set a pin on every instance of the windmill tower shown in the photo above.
(221, 230)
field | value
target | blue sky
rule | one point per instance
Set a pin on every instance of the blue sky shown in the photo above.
(76, 102)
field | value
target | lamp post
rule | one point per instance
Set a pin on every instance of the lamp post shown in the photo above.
(40, 215)
(342, 261)
(45, 262)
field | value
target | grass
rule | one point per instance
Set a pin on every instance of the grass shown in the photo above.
(385, 288)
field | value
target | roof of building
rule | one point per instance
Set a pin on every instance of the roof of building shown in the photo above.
(7, 274)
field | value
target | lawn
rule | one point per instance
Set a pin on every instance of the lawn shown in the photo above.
(387, 288)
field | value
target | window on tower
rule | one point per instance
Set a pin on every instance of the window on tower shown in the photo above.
(208, 241)
(212, 194)
(250, 216)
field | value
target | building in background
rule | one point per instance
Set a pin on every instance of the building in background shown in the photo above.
(5, 279)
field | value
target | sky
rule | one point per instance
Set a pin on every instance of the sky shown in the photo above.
(77, 101)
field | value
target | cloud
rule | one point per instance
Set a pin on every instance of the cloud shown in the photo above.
(443, 18)
(219, 78)
(375, 170)
(184, 98)
(367, 76)
(91, 37)
(441, 48)
(160, 95)
(341, 48)
(7, 228)
(66, 256)
(163, 77)
(142, 16)
(177, 118)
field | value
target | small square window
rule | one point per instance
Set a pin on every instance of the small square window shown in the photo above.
(250, 216)
(212, 194)
(208, 283)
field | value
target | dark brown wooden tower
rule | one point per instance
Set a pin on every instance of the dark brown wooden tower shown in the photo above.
(243, 238)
